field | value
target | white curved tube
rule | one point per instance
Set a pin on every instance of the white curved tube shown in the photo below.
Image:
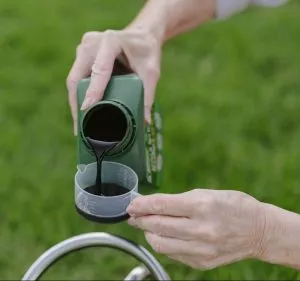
(138, 273)
(91, 240)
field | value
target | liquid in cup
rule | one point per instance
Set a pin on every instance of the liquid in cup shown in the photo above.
(105, 209)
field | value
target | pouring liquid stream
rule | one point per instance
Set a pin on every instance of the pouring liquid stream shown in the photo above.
(100, 149)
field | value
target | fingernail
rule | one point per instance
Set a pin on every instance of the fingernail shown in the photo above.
(86, 104)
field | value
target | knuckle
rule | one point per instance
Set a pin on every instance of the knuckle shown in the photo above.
(153, 70)
(92, 93)
(206, 266)
(212, 234)
(159, 205)
(84, 49)
(206, 203)
(195, 194)
(157, 225)
(156, 245)
(211, 253)
(71, 82)
(89, 36)
(103, 69)
(151, 41)
(208, 200)
(209, 233)
(109, 33)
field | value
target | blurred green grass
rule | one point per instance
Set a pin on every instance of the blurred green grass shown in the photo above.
(230, 95)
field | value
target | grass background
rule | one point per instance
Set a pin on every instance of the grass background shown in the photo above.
(229, 92)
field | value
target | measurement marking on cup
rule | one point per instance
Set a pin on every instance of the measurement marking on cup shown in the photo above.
(93, 207)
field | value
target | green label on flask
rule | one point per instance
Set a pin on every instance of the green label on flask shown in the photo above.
(154, 148)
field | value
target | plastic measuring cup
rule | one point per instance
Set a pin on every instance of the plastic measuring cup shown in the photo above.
(106, 209)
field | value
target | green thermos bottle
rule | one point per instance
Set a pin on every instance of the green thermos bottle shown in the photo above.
(121, 114)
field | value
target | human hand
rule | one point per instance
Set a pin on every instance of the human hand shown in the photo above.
(201, 228)
(96, 55)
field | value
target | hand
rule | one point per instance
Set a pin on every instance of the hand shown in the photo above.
(96, 55)
(201, 228)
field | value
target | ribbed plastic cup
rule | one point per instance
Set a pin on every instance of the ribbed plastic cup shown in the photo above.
(105, 209)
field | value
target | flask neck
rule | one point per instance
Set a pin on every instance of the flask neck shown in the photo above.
(109, 121)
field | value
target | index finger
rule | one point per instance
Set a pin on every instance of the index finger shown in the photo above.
(102, 69)
(80, 69)
(160, 204)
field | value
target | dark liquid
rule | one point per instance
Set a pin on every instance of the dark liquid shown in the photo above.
(104, 128)
(108, 189)
(100, 148)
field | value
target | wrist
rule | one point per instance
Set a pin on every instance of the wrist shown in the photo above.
(151, 26)
(151, 30)
(280, 243)
(266, 228)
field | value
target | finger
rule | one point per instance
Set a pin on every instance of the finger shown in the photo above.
(80, 69)
(150, 80)
(172, 227)
(193, 261)
(190, 260)
(145, 61)
(102, 68)
(160, 204)
(170, 246)
(207, 262)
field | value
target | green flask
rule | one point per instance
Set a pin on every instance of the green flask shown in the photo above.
(120, 114)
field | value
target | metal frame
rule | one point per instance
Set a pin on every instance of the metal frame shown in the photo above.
(98, 239)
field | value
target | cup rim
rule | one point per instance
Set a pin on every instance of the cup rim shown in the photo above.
(108, 197)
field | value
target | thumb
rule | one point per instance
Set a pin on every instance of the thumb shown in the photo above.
(174, 205)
